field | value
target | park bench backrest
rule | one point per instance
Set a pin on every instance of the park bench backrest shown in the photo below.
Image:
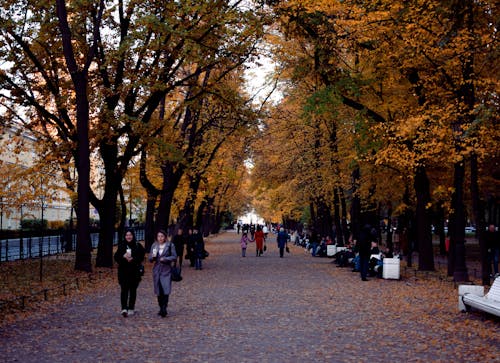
(494, 293)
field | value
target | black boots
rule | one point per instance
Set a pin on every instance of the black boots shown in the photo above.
(163, 302)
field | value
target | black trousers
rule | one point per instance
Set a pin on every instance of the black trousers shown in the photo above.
(282, 251)
(363, 266)
(162, 300)
(128, 294)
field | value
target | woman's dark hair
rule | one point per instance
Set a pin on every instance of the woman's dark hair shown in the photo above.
(162, 231)
(133, 234)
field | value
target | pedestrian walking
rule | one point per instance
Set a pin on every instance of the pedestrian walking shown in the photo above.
(492, 238)
(259, 241)
(244, 243)
(198, 248)
(129, 256)
(282, 240)
(162, 255)
(179, 240)
(314, 241)
(265, 229)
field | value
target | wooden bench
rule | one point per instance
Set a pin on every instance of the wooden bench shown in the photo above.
(489, 303)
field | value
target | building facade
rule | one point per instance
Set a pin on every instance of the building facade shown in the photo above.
(28, 191)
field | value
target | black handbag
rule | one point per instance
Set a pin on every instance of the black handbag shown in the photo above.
(141, 270)
(176, 273)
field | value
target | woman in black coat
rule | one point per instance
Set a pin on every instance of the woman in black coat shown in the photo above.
(129, 256)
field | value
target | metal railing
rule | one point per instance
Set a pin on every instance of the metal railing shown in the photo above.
(34, 246)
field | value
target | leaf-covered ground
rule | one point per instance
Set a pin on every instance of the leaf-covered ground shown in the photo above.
(263, 309)
(59, 280)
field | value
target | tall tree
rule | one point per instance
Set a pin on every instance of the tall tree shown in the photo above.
(131, 55)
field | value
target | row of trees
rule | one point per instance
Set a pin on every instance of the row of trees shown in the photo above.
(105, 85)
(388, 105)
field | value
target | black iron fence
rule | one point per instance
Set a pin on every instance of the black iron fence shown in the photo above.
(34, 245)
(67, 288)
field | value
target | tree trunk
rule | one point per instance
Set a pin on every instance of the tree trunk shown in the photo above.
(208, 213)
(107, 207)
(217, 221)
(338, 238)
(200, 213)
(324, 219)
(149, 228)
(82, 154)
(187, 212)
(107, 216)
(478, 210)
(423, 221)
(83, 245)
(405, 228)
(312, 212)
(439, 229)
(457, 235)
(152, 196)
(123, 214)
(345, 226)
(171, 180)
(355, 206)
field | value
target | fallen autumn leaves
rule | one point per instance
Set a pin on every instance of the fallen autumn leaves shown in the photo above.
(263, 309)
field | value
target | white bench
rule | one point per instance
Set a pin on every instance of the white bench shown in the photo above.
(331, 250)
(391, 267)
(489, 303)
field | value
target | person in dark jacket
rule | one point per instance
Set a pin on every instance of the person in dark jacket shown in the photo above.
(190, 242)
(198, 248)
(364, 248)
(282, 240)
(129, 256)
(179, 241)
(492, 238)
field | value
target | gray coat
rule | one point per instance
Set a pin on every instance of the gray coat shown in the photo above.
(161, 269)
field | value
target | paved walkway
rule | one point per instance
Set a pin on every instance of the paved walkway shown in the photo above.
(267, 309)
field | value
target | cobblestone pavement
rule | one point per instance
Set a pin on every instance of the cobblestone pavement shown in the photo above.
(266, 309)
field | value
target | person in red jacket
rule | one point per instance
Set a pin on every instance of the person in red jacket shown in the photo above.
(259, 241)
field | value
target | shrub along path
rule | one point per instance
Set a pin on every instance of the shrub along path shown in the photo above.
(264, 309)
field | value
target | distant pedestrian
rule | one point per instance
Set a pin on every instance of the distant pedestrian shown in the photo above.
(265, 229)
(492, 238)
(282, 241)
(179, 240)
(314, 241)
(259, 241)
(129, 256)
(162, 255)
(198, 248)
(365, 248)
(190, 247)
(244, 243)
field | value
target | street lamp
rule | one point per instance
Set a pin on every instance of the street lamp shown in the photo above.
(41, 239)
